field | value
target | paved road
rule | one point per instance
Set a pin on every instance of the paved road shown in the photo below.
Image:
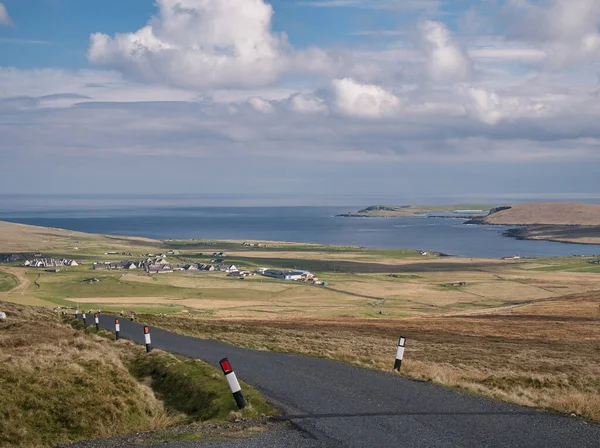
(337, 405)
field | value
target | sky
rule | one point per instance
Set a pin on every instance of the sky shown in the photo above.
(410, 99)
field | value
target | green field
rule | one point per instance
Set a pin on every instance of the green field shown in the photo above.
(7, 281)
(573, 267)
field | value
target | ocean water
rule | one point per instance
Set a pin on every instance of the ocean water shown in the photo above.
(171, 220)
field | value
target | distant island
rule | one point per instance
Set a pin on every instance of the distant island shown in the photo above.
(383, 211)
(567, 222)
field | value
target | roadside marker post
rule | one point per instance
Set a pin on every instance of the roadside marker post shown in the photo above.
(399, 354)
(97, 321)
(117, 328)
(84, 318)
(234, 385)
(147, 339)
(77, 313)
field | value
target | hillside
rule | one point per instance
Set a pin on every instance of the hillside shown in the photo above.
(565, 222)
(63, 381)
(547, 213)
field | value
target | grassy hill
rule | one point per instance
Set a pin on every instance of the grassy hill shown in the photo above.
(61, 382)
(566, 222)
(547, 213)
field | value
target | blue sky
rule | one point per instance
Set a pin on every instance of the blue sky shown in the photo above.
(396, 98)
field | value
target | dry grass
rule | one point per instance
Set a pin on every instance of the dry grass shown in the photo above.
(544, 355)
(555, 213)
(61, 382)
(60, 385)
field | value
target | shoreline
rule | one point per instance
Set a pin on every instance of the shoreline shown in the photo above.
(524, 233)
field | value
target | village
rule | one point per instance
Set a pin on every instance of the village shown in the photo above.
(158, 264)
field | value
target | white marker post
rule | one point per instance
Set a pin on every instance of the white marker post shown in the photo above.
(132, 316)
(84, 318)
(399, 354)
(97, 321)
(77, 313)
(117, 329)
(234, 385)
(147, 338)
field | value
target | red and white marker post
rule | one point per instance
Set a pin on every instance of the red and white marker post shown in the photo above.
(84, 318)
(399, 354)
(97, 321)
(117, 329)
(148, 340)
(234, 385)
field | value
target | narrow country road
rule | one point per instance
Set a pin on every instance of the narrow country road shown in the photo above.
(338, 405)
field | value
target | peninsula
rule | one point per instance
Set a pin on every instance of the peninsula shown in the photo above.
(567, 222)
(383, 211)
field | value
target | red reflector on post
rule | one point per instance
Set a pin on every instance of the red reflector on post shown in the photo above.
(146, 330)
(225, 366)
(117, 321)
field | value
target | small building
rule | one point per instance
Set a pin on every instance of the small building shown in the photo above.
(300, 275)
(227, 268)
(159, 269)
(274, 273)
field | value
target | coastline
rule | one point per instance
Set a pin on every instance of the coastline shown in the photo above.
(542, 232)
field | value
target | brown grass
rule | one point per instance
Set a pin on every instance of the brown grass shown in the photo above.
(544, 355)
(61, 381)
(60, 385)
(556, 213)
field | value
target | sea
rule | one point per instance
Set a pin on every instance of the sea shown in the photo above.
(175, 218)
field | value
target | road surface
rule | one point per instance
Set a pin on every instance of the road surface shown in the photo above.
(338, 405)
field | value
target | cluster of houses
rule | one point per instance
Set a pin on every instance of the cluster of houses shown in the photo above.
(245, 244)
(150, 265)
(223, 267)
(50, 263)
(161, 266)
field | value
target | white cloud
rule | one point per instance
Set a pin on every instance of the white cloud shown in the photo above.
(4, 17)
(307, 104)
(261, 105)
(445, 60)
(566, 29)
(363, 100)
(490, 108)
(199, 43)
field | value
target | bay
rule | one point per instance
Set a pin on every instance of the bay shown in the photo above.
(297, 224)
